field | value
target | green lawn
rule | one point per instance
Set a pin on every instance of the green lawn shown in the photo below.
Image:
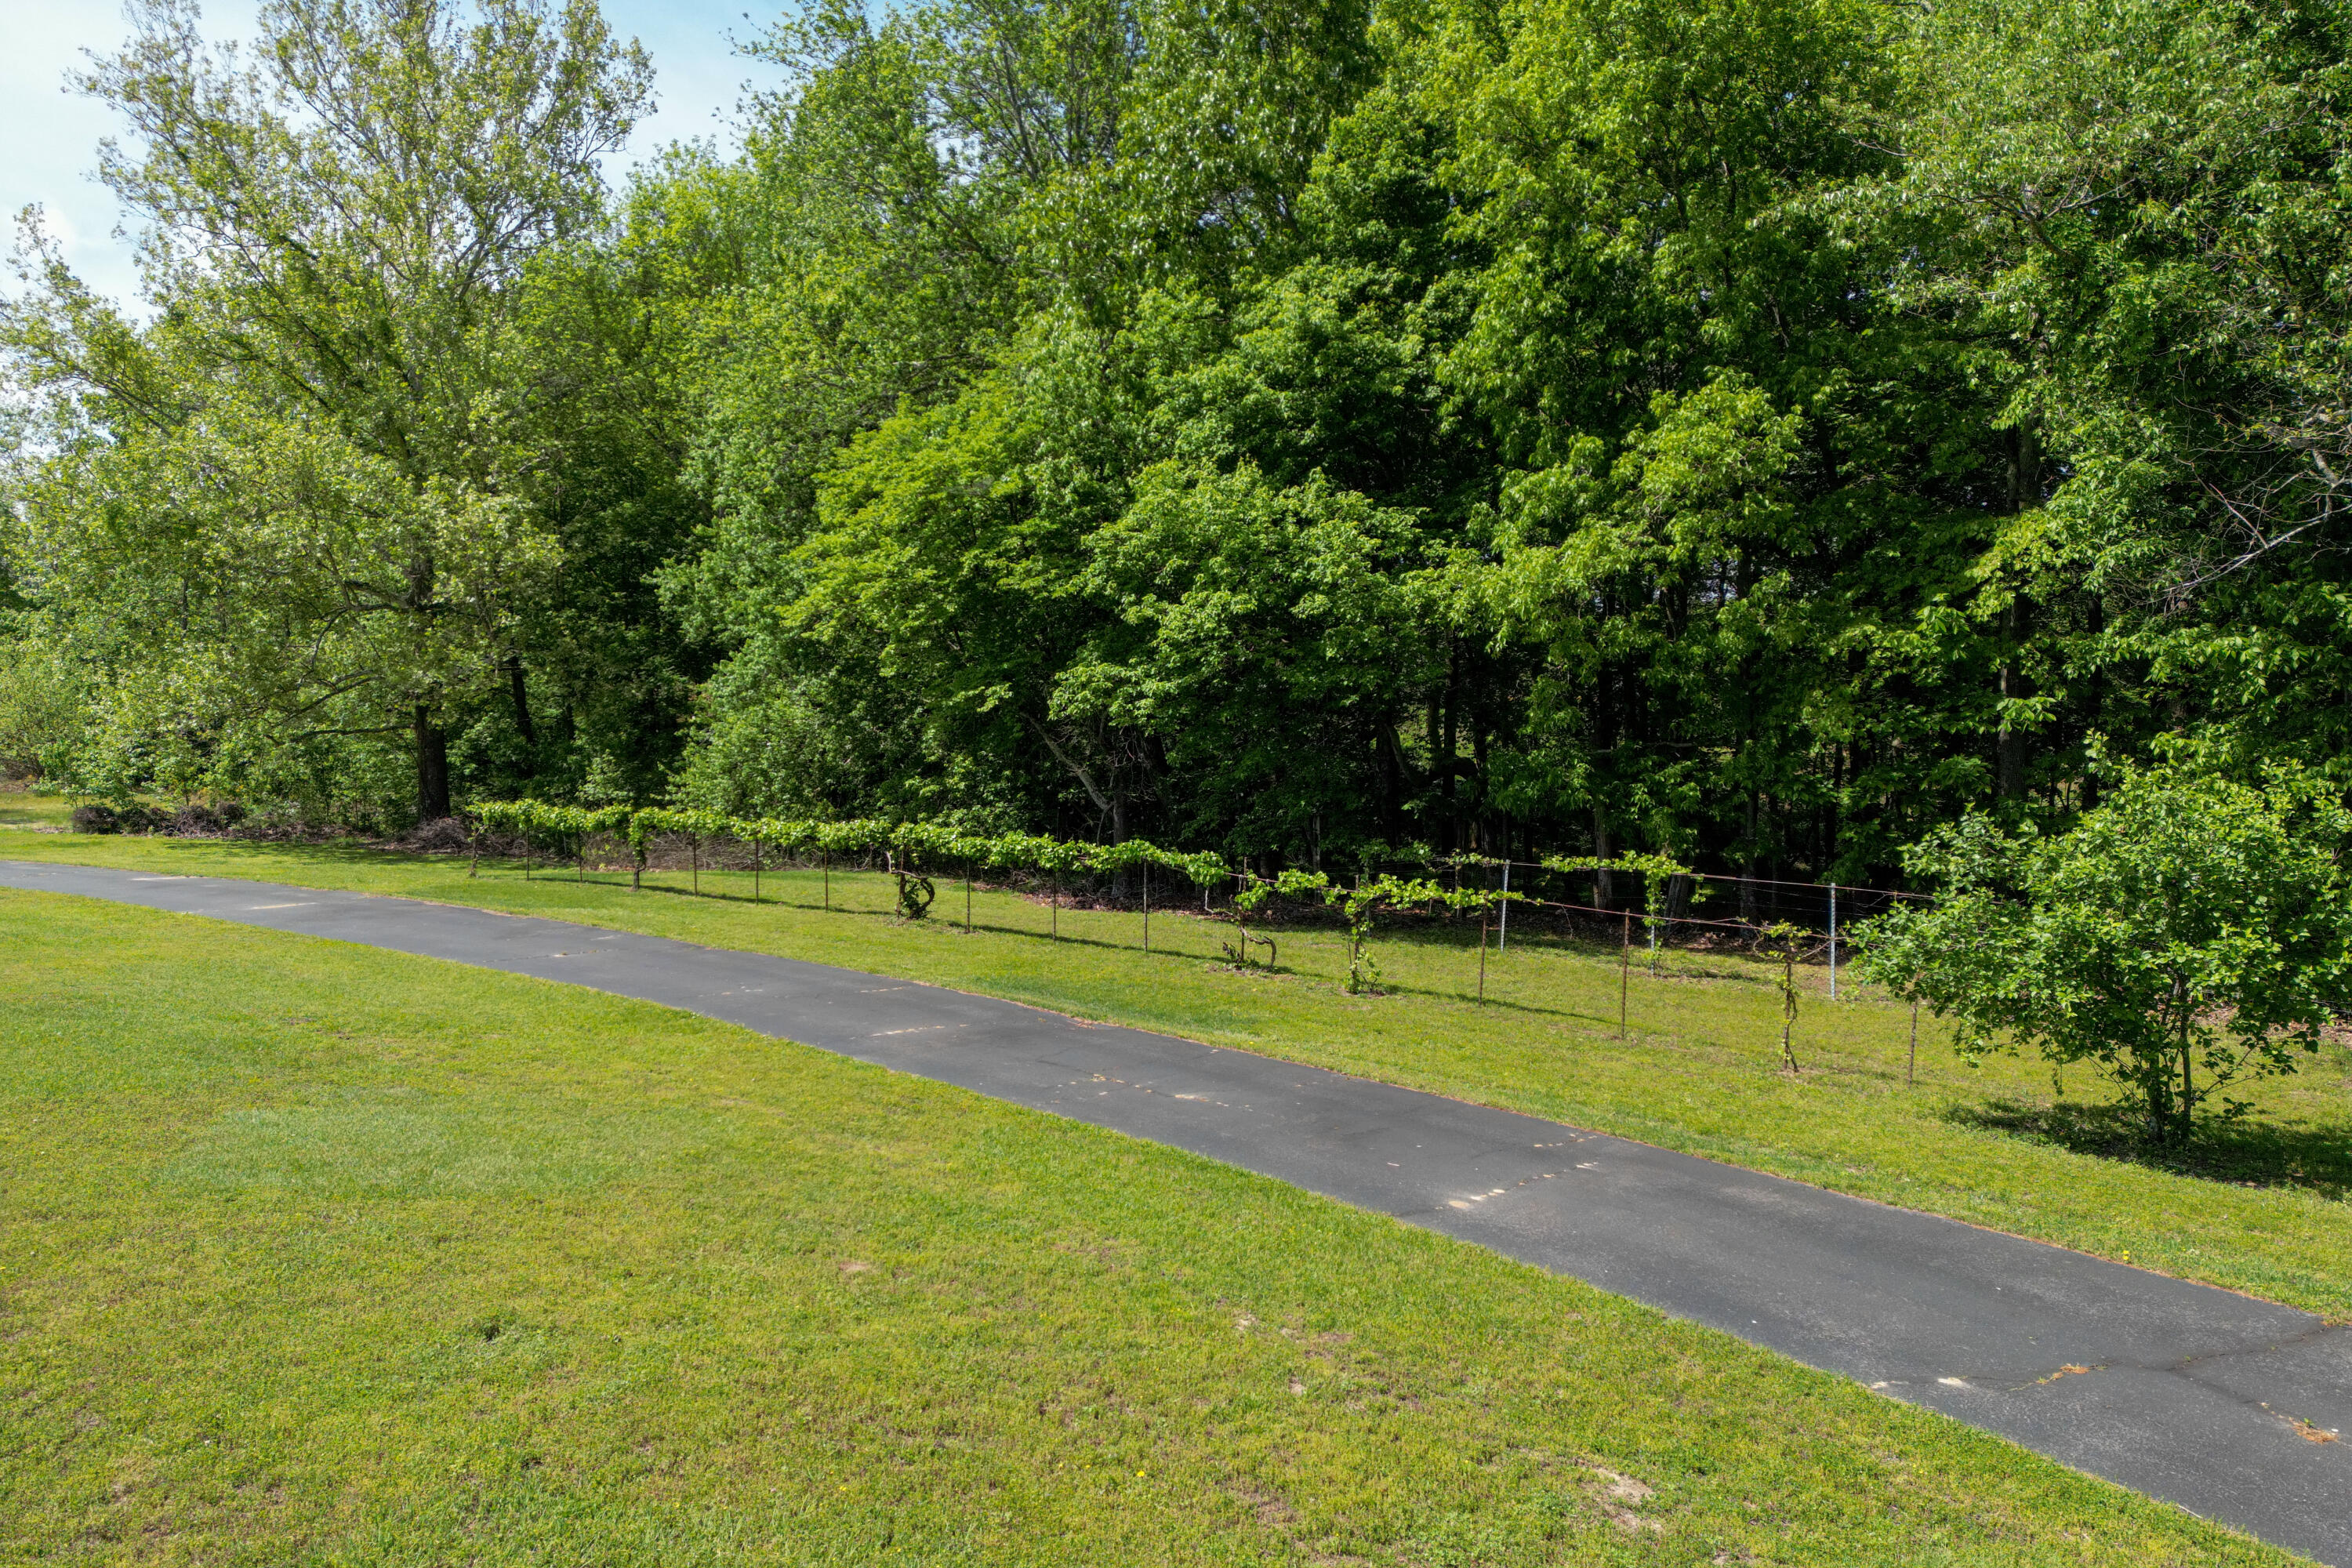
(23, 808)
(314, 1254)
(1699, 1073)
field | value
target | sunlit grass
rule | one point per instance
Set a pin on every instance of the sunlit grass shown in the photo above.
(21, 807)
(1699, 1072)
(314, 1254)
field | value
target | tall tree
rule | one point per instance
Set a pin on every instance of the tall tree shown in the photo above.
(934, 398)
(309, 480)
(2132, 217)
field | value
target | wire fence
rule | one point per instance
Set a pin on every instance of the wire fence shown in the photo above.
(1633, 904)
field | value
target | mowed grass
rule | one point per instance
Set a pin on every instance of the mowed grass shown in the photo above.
(23, 808)
(314, 1254)
(1700, 1071)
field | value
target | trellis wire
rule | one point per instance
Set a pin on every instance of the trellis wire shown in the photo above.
(1663, 909)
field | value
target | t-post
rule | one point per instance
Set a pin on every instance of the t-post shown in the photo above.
(1355, 937)
(1624, 969)
(967, 898)
(1832, 941)
(1146, 906)
(1482, 951)
(1503, 930)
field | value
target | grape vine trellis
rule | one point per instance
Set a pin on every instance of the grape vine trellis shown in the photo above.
(913, 852)
(907, 846)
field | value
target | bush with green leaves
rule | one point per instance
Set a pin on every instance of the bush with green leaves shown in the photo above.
(42, 710)
(2192, 933)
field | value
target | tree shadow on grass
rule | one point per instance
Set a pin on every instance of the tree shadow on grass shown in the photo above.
(2246, 1152)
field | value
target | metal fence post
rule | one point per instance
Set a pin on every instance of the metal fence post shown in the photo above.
(1832, 941)
(1482, 953)
(1624, 969)
(1503, 931)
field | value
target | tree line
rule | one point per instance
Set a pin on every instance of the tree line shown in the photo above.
(1758, 431)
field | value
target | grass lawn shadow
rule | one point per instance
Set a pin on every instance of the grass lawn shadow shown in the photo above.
(2315, 1158)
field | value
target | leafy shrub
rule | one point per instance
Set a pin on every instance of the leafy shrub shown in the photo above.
(2193, 932)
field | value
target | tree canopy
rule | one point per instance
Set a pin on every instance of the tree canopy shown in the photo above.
(1762, 432)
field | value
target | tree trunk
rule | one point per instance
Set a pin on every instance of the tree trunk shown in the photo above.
(2097, 616)
(2016, 625)
(1604, 885)
(1446, 742)
(432, 767)
(523, 726)
(1755, 867)
(1396, 778)
(1122, 880)
(2159, 1071)
(2010, 753)
(2188, 1093)
(2024, 467)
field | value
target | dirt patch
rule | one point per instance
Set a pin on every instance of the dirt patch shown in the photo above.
(1268, 1506)
(447, 836)
(1621, 1494)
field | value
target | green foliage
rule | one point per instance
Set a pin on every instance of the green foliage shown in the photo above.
(305, 499)
(42, 708)
(2189, 934)
(1749, 435)
(910, 847)
(1359, 901)
(907, 844)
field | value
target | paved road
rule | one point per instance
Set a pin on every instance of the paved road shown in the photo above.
(2182, 1391)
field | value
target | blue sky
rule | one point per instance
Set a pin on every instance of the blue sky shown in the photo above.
(48, 137)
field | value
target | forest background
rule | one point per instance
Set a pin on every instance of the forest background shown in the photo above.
(1754, 430)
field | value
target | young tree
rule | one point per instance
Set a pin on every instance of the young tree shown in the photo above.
(2188, 934)
(305, 489)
